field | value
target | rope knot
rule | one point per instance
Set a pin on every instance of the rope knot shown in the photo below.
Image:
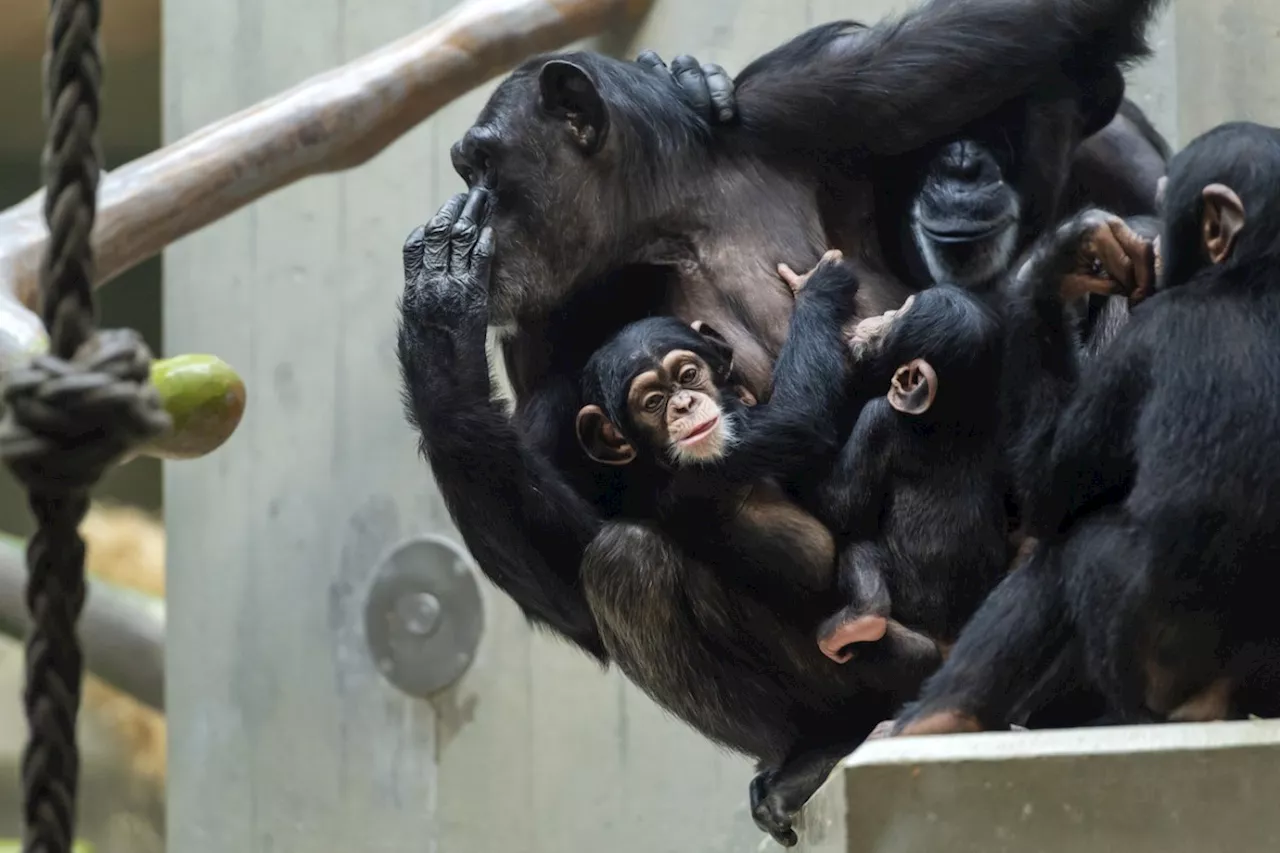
(66, 422)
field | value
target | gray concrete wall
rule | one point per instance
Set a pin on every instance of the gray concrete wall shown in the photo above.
(284, 738)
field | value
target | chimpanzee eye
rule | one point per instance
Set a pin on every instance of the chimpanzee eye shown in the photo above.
(653, 402)
(689, 375)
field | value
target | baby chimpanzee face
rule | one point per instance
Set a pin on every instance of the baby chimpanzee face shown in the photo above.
(661, 390)
(677, 406)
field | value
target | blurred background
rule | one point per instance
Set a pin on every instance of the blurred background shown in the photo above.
(1216, 59)
(122, 800)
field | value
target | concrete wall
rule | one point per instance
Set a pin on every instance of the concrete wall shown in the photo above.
(283, 735)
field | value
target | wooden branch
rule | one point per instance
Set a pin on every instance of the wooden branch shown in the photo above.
(331, 122)
(122, 631)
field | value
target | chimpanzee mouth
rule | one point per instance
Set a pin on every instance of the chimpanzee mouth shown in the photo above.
(963, 231)
(700, 431)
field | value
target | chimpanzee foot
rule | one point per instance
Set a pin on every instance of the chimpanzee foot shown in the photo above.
(842, 631)
(882, 730)
(770, 813)
(1210, 704)
(938, 723)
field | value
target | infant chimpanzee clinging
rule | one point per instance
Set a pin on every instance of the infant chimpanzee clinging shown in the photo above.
(916, 495)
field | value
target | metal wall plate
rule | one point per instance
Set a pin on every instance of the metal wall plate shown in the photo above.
(424, 615)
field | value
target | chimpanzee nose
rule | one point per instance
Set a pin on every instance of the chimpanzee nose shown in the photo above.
(969, 163)
(682, 402)
(472, 155)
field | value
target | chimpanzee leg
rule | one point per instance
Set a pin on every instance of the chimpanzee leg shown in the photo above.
(1012, 639)
(1106, 568)
(778, 795)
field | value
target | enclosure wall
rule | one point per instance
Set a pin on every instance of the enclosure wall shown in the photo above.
(284, 737)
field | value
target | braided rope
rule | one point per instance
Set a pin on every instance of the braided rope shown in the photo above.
(68, 416)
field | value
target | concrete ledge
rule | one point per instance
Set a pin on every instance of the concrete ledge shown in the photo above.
(1191, 788)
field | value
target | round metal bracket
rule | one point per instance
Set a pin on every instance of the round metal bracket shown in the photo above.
(424, 615)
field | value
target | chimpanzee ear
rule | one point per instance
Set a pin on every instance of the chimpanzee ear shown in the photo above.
(913, 387)
(602, 441)
(719, 344)
(568, 92)
(1222, 220)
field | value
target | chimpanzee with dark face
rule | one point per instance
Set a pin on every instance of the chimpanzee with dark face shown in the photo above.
(965, 223)
(920, 486)
(1158, 509)
(611, 205)
(708, 593)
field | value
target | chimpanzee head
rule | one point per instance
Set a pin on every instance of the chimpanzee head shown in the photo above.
(939, 354)
(982, 197)
(966, 218)
(1220, 201)
(577, 151)
(660, 390)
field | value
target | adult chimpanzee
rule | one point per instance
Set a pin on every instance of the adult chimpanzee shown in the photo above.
(1159, 507)
(611, 205)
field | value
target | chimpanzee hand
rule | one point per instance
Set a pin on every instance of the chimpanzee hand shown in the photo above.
(707, 87)
(869, 334)
(447, 262)
(1096, 252)
(797, 282)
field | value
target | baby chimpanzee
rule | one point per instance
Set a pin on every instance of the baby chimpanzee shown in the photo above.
(916, 489)
(662, 398)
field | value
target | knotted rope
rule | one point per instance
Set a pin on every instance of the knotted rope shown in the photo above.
(68, 416)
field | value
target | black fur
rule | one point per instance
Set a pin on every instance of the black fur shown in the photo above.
(709, 605)
(920, 496)
(1159, 506)
(671, 217)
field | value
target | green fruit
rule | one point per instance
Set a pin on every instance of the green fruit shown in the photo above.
(204, 396)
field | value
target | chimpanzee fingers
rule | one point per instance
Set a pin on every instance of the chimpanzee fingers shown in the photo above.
(691, 80)
(650, 61)
(1114, 260)
(466, 230)
(794, 280)
(1142, 256)
(724, 105)
(482, 256)
(412, 253)
(434, 251)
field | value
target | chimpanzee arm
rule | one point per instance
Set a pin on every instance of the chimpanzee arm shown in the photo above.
(851, 495)
(524, 525)
(1040, 367)
(1093, 455)
(902, 83)
(798, 426)
(1055, 420)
